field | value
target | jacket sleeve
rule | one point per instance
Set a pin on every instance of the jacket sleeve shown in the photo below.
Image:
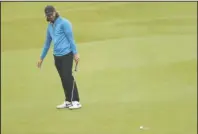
(46, 45)
(67, 27)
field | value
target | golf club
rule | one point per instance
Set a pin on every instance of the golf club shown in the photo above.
(75, 70)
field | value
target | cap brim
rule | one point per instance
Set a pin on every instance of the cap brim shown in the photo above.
(49, 14)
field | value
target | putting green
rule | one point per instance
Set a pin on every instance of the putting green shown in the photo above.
(138, 67)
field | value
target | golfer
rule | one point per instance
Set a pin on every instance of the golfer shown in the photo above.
(59, 31)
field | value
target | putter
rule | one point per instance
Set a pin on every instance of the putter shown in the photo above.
(76, 67)
(75, 70)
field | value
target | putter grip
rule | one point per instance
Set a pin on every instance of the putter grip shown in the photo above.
(76, 67)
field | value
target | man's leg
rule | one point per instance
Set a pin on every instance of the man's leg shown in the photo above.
(58, 64)
(69, 82)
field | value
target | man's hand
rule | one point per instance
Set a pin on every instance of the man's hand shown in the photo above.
(39, 63)
(76, 58)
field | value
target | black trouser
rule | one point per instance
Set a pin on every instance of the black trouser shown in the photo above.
(64, 66)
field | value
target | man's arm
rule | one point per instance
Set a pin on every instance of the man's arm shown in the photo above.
(46, 45)
(67, 27)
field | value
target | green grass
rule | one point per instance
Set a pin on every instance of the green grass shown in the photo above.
(138, 67)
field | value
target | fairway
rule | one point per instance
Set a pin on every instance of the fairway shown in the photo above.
(138, 67)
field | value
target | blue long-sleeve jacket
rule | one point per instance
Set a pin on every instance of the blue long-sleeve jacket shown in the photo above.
(61, 34)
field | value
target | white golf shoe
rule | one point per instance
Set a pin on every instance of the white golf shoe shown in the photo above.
(75, 105)
(66, 104)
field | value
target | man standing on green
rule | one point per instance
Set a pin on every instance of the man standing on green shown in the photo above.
(59, 31)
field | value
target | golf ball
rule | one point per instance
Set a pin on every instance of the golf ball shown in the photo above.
(141, 127)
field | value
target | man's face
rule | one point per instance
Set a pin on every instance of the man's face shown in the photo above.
(50, 17)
